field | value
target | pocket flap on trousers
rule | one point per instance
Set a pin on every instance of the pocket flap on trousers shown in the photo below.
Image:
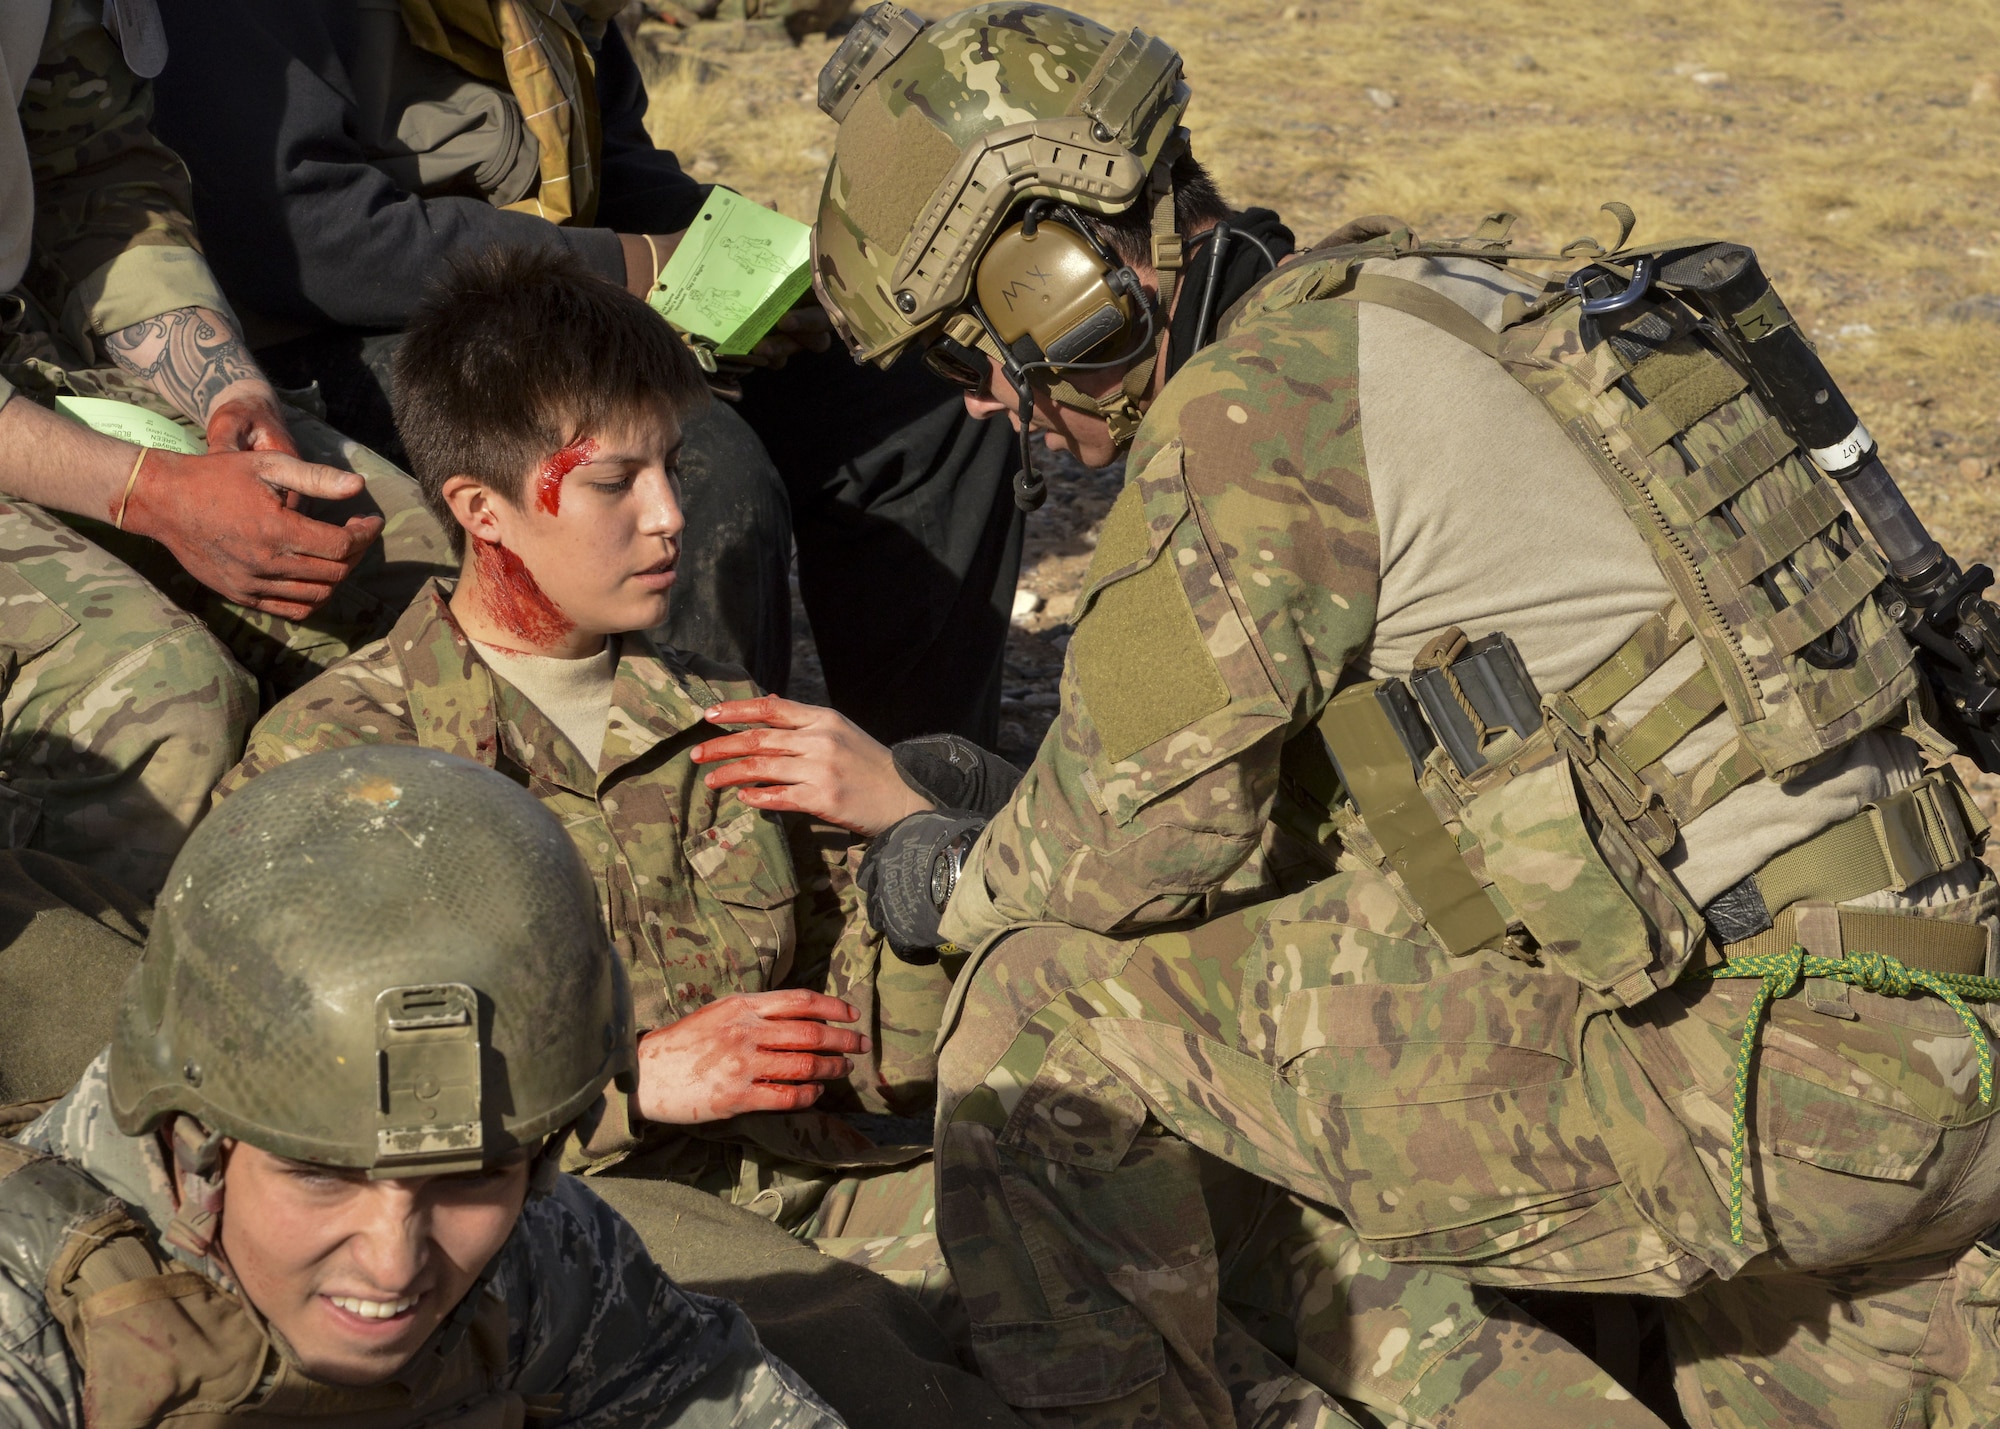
(30, 619)
(1085, 1359)
(1823, 1128)
(1077, 1112)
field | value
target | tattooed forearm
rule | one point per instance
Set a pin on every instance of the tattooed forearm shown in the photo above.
(189, 355)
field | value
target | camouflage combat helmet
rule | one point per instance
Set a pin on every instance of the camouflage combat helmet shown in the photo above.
(947, 128)
(382, 957)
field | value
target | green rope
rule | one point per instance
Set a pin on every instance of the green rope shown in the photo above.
(1871, 972)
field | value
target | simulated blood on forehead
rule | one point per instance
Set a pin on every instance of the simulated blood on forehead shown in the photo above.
(549, 483)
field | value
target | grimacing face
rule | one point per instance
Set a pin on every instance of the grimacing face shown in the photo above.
(354, 1273)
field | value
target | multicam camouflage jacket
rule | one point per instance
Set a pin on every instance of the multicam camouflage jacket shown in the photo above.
(1331, 486)
(594, 1332)
(113, 240)
(705, 895)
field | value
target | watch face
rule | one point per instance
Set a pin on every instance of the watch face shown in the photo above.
(944, 873)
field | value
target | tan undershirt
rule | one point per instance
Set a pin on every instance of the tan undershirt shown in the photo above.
(1491, 520)
(574, 694)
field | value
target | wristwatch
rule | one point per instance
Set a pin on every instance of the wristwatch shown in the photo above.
(946, 867)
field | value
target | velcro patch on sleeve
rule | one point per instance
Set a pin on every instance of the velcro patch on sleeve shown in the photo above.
(1142, 667)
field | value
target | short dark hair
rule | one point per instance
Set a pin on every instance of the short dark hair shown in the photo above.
(1198, 202)
(516, 352)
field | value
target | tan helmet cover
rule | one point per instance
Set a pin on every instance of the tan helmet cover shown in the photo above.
(975, 114)
(381, 957)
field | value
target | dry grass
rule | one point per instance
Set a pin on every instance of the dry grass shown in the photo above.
(1840, 137)
(1852, 142)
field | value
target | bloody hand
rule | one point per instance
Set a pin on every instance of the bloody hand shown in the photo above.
(753, 1051)
(250, 423)
(807, 760)
(226, 518)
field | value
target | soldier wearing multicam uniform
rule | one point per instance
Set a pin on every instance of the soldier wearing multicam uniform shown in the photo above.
(1504, 1032)
(120, 709)
(707, 895)
(387, 1057)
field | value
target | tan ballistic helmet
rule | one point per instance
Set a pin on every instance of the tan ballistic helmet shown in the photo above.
(946, 128)
(382, 957)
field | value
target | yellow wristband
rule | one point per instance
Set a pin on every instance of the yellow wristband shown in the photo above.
(654, 249)
(130, 482)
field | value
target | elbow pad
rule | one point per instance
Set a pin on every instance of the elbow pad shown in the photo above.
(909, 873)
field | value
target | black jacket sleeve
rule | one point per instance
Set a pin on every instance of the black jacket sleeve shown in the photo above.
(297, 224)
(644, 189)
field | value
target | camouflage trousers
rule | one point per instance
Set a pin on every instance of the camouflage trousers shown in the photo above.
(1306, 1311)
(1471, 1113)
(885, 1220)
(129, 688)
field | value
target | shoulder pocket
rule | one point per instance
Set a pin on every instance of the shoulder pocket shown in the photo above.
(1162, 661)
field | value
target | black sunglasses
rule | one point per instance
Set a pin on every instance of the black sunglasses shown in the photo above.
(958, 364)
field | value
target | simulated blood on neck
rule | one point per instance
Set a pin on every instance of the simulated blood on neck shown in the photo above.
(515, 600)
(549, 482)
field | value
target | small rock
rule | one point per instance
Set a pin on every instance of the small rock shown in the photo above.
(1526, 64)
(1972, 468)
(1026, 603)
(1298, 12)
(1060, 606)
(1380, 98)
(1710, 78)
(1985, 90)
(1854, 330)
(814, 155)
(1985, 308)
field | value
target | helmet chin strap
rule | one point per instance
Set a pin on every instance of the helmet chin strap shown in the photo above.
(1124, 409)
(197, 1171)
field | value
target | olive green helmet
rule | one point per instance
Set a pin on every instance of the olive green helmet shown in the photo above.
(381, 957)
(946, 128)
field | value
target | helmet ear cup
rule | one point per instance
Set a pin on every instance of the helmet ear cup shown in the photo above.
(1052, 295)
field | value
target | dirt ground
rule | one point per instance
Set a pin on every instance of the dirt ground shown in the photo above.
(1854, 143)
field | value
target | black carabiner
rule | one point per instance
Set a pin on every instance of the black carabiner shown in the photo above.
(1636, 290)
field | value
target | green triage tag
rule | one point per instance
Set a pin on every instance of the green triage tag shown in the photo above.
(131, 424)
(739, 269)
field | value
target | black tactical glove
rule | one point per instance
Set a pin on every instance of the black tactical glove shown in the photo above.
(955, 773)
(909, 873)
